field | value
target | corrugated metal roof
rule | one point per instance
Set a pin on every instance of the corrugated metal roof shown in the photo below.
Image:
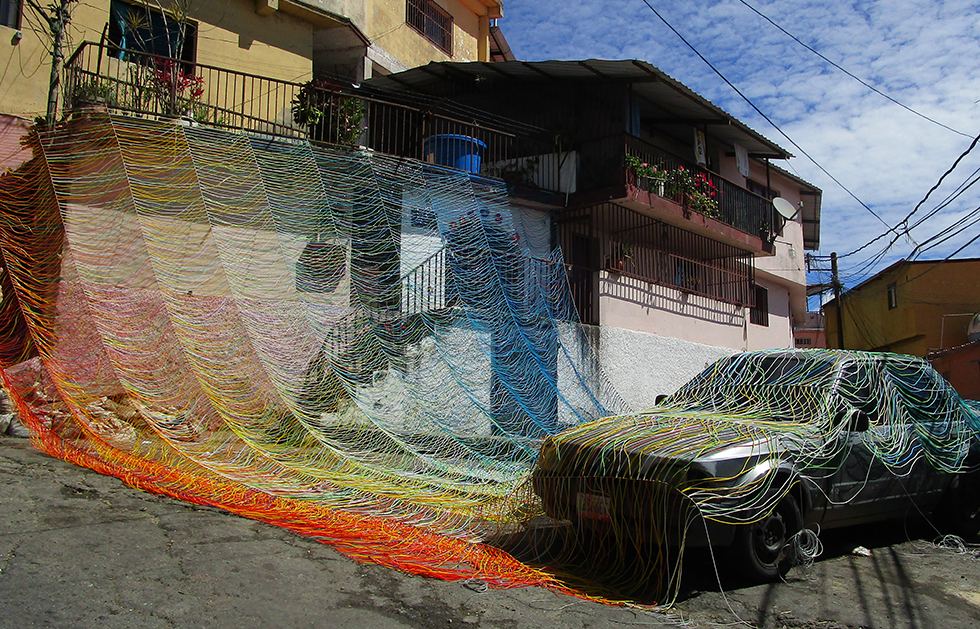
(663, 94)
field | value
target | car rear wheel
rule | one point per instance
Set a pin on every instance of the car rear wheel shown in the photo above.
(960, 512)
(759, 551)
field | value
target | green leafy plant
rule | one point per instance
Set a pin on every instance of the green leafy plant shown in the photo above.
(655, 174)
(327, 114)
(94, 90)
(626, 249)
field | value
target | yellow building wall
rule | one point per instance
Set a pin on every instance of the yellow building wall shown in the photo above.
(233, 36)
(916, 325)
(952, 288)
(230, 35)
(27, 63)
(388, 28)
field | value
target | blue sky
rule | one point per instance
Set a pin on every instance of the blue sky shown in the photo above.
(923, 53)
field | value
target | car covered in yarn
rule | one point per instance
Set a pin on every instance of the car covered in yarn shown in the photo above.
(763, 445)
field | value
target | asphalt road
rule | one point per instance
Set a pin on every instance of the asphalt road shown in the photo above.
(78, 549)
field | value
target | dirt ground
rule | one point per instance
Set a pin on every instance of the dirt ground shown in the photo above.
(82, 550)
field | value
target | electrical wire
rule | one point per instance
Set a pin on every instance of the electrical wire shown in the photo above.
(858, 79)
(767, 118)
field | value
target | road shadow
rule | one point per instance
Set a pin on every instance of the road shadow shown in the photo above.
(624, 568)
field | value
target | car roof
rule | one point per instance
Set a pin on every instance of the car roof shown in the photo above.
(835, 355)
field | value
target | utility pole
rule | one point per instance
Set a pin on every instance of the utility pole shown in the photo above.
(57, 15)
(835, 282)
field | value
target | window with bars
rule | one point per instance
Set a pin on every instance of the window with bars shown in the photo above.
(759, 313)
(892, 296)
(10, 13)
(139, 29)
(432, 22)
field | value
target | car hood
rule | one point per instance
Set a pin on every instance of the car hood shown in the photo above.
(644, 446)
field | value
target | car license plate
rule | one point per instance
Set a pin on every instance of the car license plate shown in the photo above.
(593, 506)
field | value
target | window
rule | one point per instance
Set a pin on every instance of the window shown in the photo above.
(761, 189)
(759, 313)
(432, 22)
(10, 13)
(802, 340)
(892, 296)
(140, 29)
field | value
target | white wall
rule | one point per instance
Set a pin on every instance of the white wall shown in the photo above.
(642, 366)
(641, 306)
(779, 332)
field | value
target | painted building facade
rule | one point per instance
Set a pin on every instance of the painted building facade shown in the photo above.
(909, 308)
(230, 35)
(374, 37)
(287, 40)
(671, 275)
(813, 333)
(961, 367)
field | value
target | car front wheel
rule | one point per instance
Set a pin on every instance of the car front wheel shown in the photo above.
(759, 550)
(961, 506)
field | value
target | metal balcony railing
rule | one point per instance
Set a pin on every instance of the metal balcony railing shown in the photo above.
(624, 242)
(425, 288)
(602, 163)
(522, 155)
(151, 85)
(724, 200)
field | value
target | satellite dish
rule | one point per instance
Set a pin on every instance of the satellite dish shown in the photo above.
(785, 208)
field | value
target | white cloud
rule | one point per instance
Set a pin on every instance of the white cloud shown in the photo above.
(921, 52)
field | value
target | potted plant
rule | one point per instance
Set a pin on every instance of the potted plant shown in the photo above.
(327, 114)
(621, 257)
(640, 172)
(93, 92)
(767, 236)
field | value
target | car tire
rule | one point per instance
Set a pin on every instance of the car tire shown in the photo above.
(960, 512)
(758, 550)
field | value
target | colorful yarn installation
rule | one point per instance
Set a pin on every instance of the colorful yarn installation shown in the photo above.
(786, 432)
(358, 347)
(385, 355)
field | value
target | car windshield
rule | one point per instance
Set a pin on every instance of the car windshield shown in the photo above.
(776, 386)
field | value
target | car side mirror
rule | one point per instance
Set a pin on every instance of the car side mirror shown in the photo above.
(660, 399)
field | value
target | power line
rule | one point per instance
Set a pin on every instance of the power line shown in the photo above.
(945, 234)
(766, 118)
(858, 79)
(904, 222)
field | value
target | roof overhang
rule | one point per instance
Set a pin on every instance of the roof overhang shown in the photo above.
(664, 100)
(491, 8)
(499, 48)
(309, 11)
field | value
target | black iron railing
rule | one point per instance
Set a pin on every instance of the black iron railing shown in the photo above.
(424, 288)
(146, 84)
(151, 85)
(719, 198)
(628, 243)
(604, 162)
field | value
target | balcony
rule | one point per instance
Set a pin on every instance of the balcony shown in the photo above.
(700, 200)
(148, 85)
(626, 244)
(537, 166)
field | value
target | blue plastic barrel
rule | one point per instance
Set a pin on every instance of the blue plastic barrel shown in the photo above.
(456, 151)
